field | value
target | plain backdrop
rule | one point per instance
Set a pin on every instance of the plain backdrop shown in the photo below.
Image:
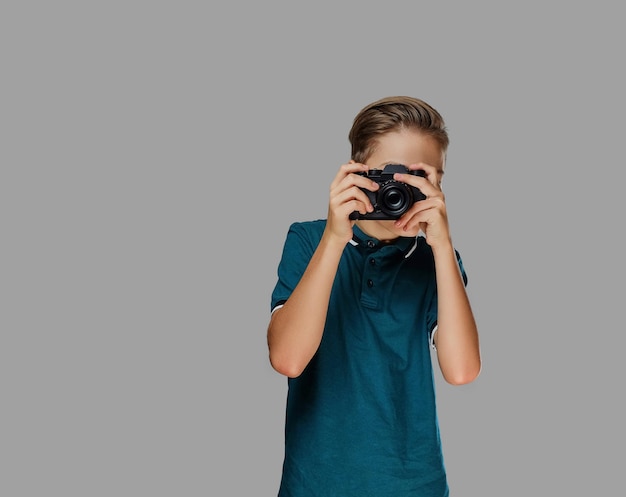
(153, 155)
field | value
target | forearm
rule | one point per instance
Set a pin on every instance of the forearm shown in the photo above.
(456, 338)
(295, 330)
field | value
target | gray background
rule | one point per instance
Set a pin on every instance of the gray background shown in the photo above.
(153, 155)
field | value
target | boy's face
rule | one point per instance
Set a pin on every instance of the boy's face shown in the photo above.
(402, 147)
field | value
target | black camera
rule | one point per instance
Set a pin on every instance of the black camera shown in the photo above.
(393, 198)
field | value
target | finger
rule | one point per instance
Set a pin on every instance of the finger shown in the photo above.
(347, 169)
(415, 215)
(433, 174)
(344, 210)
(419, 220)
(352, 194)
(351, 181)
(423, 184)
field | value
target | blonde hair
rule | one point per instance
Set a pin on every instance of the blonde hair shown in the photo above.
(394, 114)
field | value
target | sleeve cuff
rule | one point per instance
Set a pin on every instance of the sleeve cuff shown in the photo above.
(276, 307)
(432, 337)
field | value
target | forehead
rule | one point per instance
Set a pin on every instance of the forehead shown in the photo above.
(407, 147)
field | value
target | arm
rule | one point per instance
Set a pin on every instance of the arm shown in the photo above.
(456, 339)
(295, 330)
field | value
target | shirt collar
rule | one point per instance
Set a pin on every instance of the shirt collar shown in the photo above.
(405, 244)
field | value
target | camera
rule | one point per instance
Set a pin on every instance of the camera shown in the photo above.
(393, 198)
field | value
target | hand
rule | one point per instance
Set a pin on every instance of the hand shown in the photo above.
(346, 197)
(430, 214)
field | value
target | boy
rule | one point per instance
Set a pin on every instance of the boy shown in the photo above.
(358, 304)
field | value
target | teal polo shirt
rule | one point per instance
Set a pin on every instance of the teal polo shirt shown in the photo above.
(361, 419)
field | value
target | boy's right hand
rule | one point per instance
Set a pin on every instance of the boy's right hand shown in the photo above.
(346, 197)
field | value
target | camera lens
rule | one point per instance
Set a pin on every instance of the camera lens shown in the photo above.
(394, 199)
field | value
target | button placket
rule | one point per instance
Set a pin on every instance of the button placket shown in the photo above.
(370, 276)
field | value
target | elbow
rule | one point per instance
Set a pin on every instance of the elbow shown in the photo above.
(289, 354)
(461, 380)
(463, 376)
(286, 366)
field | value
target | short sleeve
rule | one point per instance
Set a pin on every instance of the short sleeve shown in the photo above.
(460, 261)
(297, 252)
(431, 313)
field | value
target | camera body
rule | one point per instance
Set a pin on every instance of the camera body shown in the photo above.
(393, 198)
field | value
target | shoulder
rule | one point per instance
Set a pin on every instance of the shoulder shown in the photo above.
(316, 225)
(308, 230)
(304, 237)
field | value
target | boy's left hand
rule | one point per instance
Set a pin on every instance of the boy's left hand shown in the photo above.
(430, 214)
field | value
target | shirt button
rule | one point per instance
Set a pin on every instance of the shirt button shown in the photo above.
(373, 262)
(370, 243)
(370, 283)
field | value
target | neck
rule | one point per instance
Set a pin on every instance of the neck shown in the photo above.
(377, 229)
